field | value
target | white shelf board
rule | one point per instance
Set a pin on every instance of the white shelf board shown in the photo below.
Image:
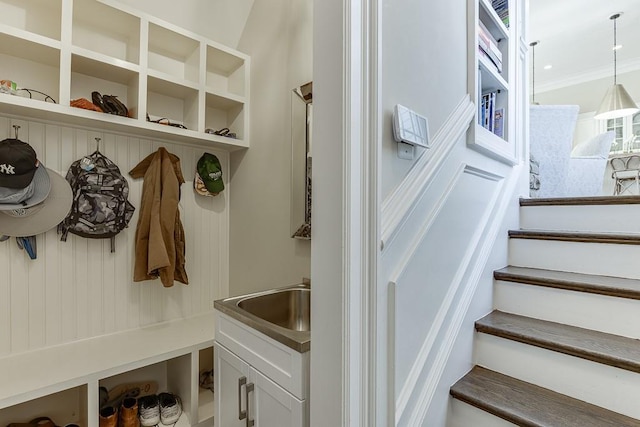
(206, 405)
(492, 145)
(104, 67)
(100, 58)
(223, 102)
(168, 85)
(183, 421)
(20, 106)
(69, 365)
(491, 79)
(31, 49)
(26, 36)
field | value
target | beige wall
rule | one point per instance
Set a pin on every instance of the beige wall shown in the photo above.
(219, 20)
(277, 36)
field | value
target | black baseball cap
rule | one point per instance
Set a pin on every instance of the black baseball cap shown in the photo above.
(18, 163)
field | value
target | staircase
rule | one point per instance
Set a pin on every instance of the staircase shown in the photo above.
(561, 347)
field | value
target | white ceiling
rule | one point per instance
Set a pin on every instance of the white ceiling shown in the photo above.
(576, 38)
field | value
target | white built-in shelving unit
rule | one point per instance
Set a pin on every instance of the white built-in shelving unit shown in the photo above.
(62, 382)
(484, 77)
(67, 49)
(70, 48)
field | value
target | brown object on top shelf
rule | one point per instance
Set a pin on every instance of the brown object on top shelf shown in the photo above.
(85, 104)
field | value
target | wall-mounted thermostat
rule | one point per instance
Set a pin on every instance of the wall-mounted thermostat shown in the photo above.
(409, 127)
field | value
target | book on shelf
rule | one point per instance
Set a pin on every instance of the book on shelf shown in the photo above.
(496, 66)
(479, 98)
(502, 10)
(488, 103)
(489, 116)
(489, 46)
(498, 122)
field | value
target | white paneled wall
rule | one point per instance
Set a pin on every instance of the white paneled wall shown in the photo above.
(78, 289)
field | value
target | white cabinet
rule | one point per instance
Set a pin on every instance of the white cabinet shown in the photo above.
(69, 48)
(246, 397)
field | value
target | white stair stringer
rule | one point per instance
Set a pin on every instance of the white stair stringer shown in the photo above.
(592, 218)
(464, 415)
(599, 384)
(605, 259)
(613, 315)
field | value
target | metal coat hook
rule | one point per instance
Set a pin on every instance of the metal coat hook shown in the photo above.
(98, 144)
(16, 129)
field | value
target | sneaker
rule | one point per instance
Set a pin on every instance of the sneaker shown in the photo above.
(170, 408)
(149, 410)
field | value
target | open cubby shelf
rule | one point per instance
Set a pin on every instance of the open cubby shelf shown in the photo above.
(63, 381)
(153, 67)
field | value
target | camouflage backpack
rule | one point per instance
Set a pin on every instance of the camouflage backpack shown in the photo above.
(100, 208)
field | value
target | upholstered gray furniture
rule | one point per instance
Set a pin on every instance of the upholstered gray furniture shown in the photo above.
(587, 166)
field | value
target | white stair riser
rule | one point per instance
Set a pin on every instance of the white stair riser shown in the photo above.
(578, 257)
(611, 218)
(465, 415)
(596, 383)
(618, 316)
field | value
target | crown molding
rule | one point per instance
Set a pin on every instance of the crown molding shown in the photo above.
(587, 76)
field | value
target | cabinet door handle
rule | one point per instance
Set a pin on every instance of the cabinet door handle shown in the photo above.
(242, 381)
(248, 389)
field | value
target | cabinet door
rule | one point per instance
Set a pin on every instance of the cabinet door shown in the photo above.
(231, 378)
(273, 406)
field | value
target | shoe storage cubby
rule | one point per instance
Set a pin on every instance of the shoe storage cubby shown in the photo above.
(65, 407)
(63, 382)
(71, 48)
(172, 101)
(88, 75)
(171, 376)
(36, 64)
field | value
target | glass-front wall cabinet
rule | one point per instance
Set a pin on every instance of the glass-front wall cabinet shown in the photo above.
(627, 131)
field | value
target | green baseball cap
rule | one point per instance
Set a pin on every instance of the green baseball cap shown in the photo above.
(208, 177)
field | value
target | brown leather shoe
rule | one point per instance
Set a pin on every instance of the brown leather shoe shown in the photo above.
(108, 417)
(129, 413)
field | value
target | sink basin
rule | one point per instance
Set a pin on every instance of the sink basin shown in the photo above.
(283, 314)
(289, 308)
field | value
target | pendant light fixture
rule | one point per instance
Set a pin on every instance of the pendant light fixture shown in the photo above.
(617, 102)
(533, 72)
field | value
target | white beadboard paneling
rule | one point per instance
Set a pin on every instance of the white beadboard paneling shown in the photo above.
(78, 289)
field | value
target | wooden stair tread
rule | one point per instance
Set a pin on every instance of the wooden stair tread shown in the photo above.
(575, 236)
(613, 350)
(582, 201)
(602, 285)
(529, 405)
